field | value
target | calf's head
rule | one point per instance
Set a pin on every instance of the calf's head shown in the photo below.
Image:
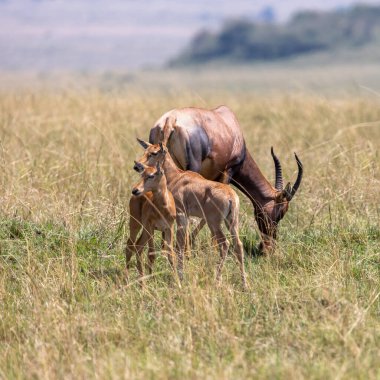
(151, 180)
(153, 154)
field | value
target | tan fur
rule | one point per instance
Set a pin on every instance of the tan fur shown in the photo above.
(152, 208)
(195, 196)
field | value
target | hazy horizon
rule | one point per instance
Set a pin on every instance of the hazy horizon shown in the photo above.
(44, 35)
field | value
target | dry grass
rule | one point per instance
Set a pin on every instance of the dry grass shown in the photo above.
(312, 310)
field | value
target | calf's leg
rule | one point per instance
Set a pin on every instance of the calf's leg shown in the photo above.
(130, 248)
(168, 245)
(181, 244)
(221, 241)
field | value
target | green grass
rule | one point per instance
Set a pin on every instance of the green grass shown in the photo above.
(312, 309)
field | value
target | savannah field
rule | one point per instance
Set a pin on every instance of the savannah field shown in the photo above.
(312, 310)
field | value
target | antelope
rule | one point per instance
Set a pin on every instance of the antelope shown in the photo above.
(210, 142)
(152, 208)
(196, 196)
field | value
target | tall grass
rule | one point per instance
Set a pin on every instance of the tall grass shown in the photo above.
(312, 309)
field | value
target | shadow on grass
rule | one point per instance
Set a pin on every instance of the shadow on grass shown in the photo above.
(251, 248)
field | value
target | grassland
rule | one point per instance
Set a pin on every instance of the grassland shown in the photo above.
(312, 309)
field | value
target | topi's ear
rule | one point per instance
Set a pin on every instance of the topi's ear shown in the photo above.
(167, 129)
(166, 125)
(284, 194)
(143, 143)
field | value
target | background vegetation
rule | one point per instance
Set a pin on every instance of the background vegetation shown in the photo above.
(307, 32)
(312, 309)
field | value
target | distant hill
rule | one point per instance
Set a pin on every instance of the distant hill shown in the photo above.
(306, 32)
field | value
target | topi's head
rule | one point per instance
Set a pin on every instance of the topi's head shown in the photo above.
(269, 215)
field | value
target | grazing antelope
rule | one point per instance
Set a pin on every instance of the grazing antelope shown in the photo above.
(196, 196)
(152, 208)
(210, 142)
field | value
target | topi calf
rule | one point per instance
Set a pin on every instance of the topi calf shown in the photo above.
(152, 208)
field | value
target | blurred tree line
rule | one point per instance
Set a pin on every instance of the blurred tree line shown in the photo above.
(308, 31)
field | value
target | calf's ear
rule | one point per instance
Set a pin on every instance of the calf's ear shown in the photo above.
(162, 150)
(158, 168)
(143, 143)
(167, 129)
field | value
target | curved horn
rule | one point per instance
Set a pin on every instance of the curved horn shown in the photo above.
(298, 180)
(279, 185)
